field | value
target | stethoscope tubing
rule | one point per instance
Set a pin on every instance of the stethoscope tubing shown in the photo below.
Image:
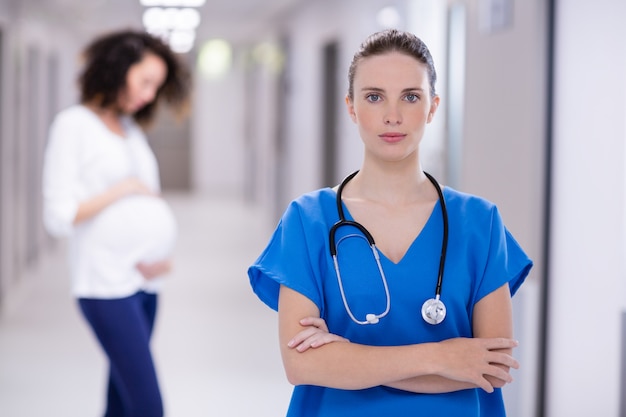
(383, 279)
(444, 241)
(373, 318)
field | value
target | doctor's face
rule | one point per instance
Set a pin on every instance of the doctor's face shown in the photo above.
(392, 105)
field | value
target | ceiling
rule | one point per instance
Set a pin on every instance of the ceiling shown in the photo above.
(233, 19)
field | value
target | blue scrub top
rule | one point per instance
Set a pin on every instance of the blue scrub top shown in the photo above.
(481, 257)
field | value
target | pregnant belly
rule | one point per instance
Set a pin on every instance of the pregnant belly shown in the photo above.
(141, 228)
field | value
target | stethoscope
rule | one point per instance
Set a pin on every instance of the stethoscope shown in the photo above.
(433, 309)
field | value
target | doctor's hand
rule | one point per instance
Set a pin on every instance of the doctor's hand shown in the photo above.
(315, 334)
(476, 360)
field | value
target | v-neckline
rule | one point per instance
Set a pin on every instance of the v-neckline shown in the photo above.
(112, 132)
(429, 220)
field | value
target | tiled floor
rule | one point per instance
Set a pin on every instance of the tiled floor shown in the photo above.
(215, 343)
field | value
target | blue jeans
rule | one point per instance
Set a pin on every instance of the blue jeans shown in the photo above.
(123, 328)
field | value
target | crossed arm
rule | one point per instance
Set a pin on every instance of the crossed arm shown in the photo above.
(312, 355)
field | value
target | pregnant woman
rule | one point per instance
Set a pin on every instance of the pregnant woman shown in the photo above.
(101, 190)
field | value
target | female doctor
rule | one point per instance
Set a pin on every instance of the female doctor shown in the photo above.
(101, 191)
(393, 292)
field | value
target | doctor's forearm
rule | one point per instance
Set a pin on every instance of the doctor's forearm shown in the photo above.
(352, 366)
(430, 384)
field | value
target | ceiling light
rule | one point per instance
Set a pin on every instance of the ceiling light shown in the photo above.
(181, 41)
(155, 18)
(214, 59)
(270, 56)
(172, 3)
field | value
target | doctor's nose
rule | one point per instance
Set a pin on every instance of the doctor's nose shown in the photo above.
(392, 117)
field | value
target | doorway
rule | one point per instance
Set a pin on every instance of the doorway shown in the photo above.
(169, 139)
(329, 114)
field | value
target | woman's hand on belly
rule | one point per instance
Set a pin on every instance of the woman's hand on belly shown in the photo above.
(151, 270)
(130, 186)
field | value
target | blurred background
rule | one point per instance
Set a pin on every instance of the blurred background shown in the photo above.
(533, 117)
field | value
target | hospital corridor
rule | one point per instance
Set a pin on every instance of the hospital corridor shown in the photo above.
(526, 112)
(215, 345)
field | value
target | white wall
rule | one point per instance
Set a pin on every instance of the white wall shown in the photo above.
(587, 266)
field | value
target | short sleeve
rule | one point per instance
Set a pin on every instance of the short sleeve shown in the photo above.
(505, 261)
(287, 260)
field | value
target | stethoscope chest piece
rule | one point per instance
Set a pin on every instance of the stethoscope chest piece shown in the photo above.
(433, 311)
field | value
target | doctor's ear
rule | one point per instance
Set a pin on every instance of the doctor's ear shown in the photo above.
(350, 107)
(434, 105)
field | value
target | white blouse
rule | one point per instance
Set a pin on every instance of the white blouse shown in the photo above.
(84, 158)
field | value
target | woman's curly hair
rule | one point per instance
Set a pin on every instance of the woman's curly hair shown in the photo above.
(107, 61)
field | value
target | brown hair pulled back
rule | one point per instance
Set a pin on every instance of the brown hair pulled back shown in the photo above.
(393, 40)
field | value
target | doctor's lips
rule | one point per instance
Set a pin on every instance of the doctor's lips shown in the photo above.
(392, 136)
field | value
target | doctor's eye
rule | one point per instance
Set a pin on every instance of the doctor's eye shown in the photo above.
(412, 98)
(373, 98)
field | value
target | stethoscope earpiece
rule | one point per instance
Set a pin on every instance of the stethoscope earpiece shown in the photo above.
(433, 310)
